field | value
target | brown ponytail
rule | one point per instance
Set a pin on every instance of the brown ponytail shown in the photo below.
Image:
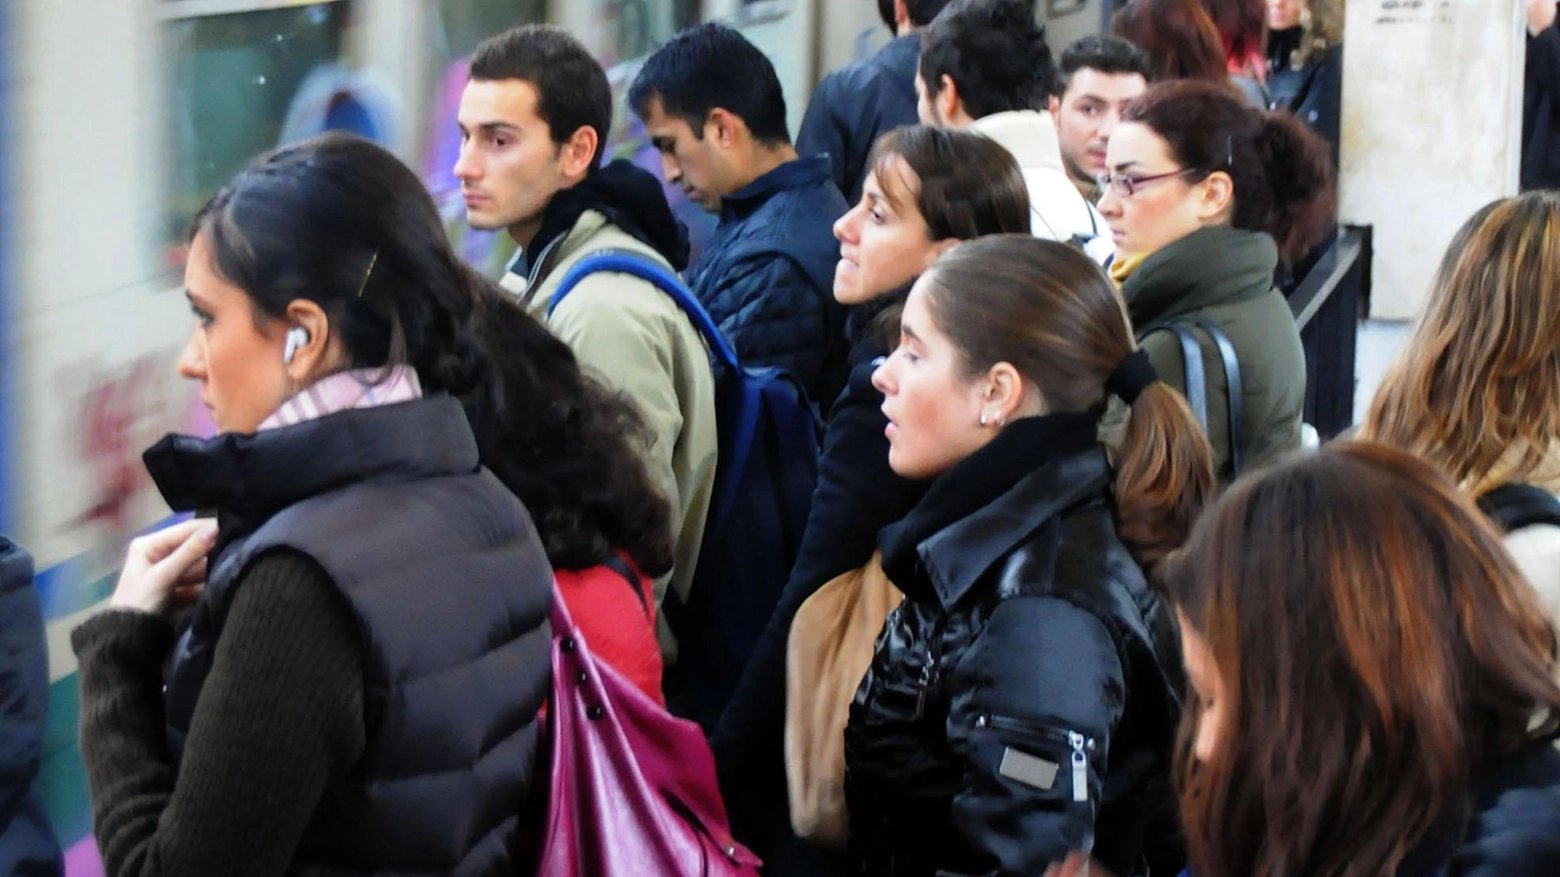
(1164, 475)
(1052, 314)
(1281, 170)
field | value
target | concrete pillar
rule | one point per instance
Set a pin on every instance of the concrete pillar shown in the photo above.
(1432, 121)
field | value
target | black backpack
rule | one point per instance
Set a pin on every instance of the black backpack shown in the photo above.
(1516, 506)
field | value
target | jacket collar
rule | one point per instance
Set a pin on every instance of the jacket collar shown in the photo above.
(249, 478)
(795, 174)
(905, 49)
(627, 196)
(1210, 266)
(1029, 135)
(978, 511)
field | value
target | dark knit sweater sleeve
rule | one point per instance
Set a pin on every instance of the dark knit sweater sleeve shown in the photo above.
(280, 715)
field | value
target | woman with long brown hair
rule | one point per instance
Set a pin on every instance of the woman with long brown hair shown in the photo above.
(1477, 390)
(1372, 682)
(1021, 700)
(926, 189)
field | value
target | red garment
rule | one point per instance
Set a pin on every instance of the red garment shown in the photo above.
(614, 622)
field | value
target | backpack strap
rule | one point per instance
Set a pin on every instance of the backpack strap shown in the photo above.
(652, 272)
(1196, 380)
(1516, 506)
(617, 564)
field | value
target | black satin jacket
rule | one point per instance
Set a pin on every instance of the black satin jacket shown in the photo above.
(1023, 700)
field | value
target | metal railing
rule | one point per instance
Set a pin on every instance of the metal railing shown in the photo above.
(1327, 303)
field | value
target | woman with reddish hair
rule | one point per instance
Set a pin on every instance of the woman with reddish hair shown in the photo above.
(1372, 689)
(1242, 28)
(1178, 36)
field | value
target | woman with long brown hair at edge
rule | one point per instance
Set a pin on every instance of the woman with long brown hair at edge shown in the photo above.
(1477, 390)
(1372, 681)
(1022, 699)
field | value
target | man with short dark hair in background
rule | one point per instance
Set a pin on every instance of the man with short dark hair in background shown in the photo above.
(985, 66)
(712, 105)
(1099, 75)
(859, 102)
(534, 120)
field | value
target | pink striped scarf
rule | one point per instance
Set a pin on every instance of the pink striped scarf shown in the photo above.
(343, 391)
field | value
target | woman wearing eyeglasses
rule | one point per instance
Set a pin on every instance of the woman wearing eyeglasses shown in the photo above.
(1206, 197)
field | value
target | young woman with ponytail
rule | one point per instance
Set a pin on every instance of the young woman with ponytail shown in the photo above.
(356, 685)
(1023, 699)
(1207, 198)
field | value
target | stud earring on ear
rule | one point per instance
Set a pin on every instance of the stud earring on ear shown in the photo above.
(984, 419)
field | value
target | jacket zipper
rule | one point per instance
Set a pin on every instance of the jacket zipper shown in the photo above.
(929, 673)
(1079, 745)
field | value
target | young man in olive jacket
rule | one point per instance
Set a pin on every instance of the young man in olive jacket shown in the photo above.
(534, 120)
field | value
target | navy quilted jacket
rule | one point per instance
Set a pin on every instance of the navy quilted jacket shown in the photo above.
(767, 275)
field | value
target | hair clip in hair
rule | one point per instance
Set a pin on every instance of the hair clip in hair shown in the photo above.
(374, 259)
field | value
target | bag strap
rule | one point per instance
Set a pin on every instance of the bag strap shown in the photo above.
(652, 272)
(617, 564)
(1196, 377)
(1234, 384)
(1516, 506)
(1191, 354)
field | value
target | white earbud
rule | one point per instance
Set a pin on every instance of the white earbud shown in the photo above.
(297, 336)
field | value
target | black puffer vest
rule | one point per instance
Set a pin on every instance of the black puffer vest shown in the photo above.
(451, 589)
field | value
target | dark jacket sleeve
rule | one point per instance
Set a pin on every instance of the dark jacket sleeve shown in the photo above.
(280, 716)
(1041, 670)
(857, 495)
(1543, 60)
(823, 131)
(27, 845)
(772, 314)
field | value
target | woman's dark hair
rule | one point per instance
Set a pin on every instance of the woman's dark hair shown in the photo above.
(341, 222)
(1179, 38)
(1377, 649)
(1282, 170)
(1052, 314)
(963, 184)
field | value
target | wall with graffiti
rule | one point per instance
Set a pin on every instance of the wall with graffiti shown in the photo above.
(117, 121)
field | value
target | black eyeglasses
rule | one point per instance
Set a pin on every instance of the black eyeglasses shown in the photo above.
(1126, 185)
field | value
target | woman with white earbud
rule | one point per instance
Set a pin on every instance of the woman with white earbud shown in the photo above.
(357, 686)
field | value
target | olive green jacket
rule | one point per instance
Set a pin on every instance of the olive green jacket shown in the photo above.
(1225, 275)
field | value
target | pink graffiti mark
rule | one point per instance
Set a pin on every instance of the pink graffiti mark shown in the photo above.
(82, 860)
(121, 413)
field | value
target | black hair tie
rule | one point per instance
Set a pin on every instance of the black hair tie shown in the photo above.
(1132, 376)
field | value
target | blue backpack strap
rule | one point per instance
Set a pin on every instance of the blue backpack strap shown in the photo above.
(1233, 383)
(1191, 352)
(652, 272)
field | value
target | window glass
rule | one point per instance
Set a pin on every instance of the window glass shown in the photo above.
(234, 79)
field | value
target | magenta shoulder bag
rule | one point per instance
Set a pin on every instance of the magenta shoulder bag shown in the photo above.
(633, 789)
